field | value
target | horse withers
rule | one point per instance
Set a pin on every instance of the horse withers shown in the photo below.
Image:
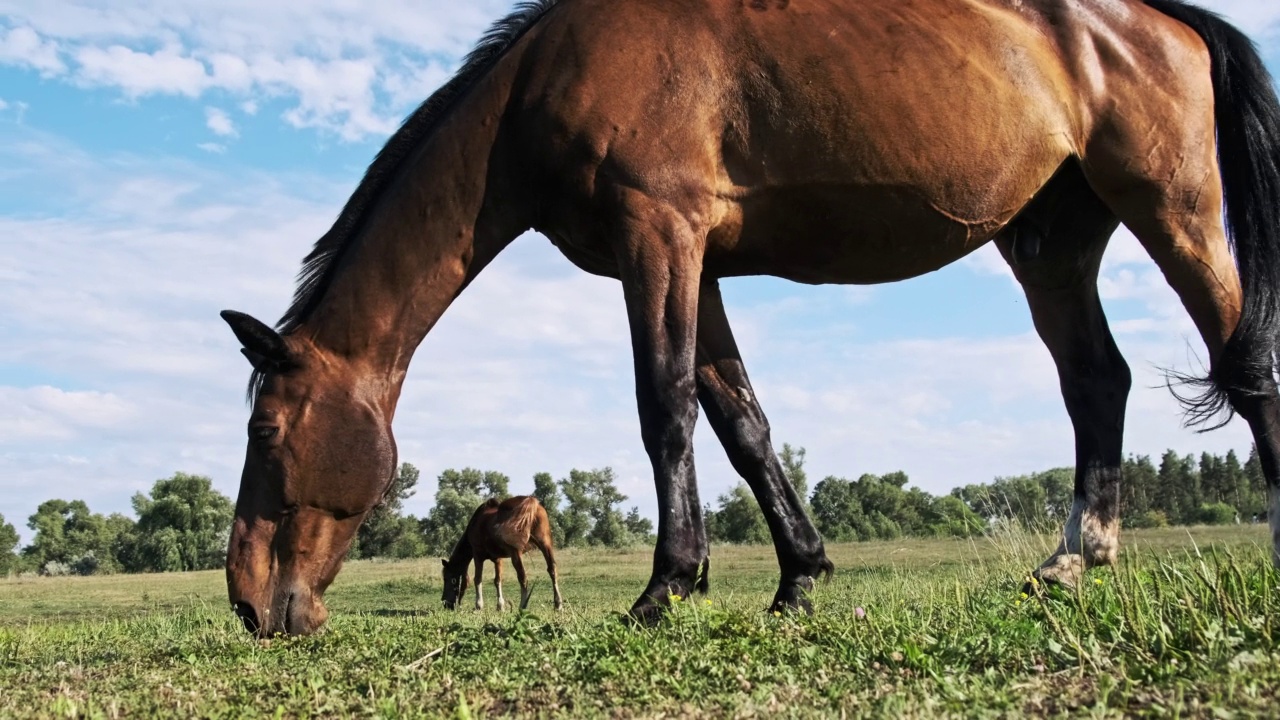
(497, 530)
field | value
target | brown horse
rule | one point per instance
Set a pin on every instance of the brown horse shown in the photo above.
(498, 530)
(671, 143)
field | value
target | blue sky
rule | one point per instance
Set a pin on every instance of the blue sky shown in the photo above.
(161, 161)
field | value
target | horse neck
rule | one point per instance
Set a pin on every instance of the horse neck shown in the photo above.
(453, 204)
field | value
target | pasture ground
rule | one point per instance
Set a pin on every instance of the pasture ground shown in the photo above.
(1184, 626)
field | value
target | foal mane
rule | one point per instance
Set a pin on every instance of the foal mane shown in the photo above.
(319, 265)
(462, 551)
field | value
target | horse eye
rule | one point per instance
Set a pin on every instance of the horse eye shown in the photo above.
(263, 432)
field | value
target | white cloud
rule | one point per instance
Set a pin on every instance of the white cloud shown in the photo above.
(3, 105)
(165, 71)
(43, 413)
(23, 46)
(210, 147)
(342, 67)
(220, 122)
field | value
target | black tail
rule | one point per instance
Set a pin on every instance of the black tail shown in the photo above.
(1247, 114)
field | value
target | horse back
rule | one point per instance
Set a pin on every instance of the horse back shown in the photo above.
(813, 136)
(505, 526)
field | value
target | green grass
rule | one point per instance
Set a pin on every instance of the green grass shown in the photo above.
(1179, 628)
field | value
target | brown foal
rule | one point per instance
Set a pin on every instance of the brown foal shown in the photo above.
(673, 143)
(497, 530)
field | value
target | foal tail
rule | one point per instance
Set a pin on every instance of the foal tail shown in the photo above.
(1247, 115)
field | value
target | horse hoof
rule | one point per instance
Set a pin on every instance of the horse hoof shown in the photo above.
(645, 615)
(791, 599)
(1038, 583)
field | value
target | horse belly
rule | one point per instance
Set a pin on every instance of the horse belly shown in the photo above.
(841, 234)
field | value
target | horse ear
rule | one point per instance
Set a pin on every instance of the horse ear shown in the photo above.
(444, 562)
(264, 347)
(259, 363)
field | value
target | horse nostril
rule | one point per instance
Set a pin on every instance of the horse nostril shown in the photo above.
(248, 617)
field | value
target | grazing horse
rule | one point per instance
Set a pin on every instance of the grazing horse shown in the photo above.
(672, 143)
(499, 530)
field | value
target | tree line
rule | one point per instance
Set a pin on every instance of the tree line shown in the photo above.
(183, 523)
(1182, 490)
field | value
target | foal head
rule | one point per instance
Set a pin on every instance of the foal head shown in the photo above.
(320, 456)
(456, 583)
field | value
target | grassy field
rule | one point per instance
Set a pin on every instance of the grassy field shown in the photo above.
(1185, 626)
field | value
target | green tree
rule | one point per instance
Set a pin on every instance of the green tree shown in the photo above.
(1179, 488)
(458, 494)
(1255, 483)
(9, 560)
(68, 534)
(1040, 500)
(184, 524)
(836, 510)
(640, 527)
(738, 519)
(548, 494)
(1216, 514)
(948, 516)
(1138, 488)
(1213, 480)
(591, 516)
(793, 467)
(386, 532)
(1236, 484)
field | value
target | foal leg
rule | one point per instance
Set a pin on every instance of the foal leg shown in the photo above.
(479, 584)
(738, 420)
(517, 562)
(660, 263)
(497, 582)
(544, 544)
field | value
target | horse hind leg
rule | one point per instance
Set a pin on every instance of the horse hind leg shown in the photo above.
(1060, 282)
(542, 539)
(517, 562)
(1192, 253)
(1174, 206)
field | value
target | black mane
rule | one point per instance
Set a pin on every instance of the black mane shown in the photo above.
(318, 266)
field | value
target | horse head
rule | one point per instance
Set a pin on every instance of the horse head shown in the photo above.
(456, 583)
(320, 455)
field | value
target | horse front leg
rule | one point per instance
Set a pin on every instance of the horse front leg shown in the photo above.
(660, 263)
(479, 583)
(739, 422)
